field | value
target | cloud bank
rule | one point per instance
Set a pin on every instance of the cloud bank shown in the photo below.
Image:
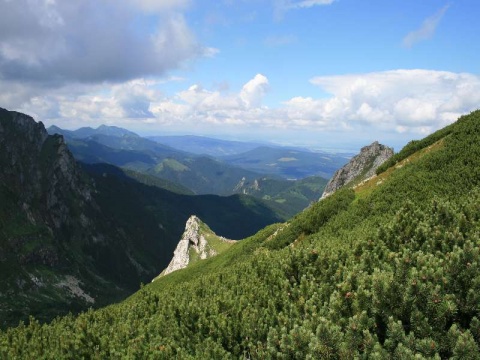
(396, 101)
(90, 41)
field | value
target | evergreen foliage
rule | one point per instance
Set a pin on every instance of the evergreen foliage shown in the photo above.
(394, 274)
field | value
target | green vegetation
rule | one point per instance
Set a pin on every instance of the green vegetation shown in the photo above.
(389, 273)
(215, 242)
(286, 196)
(170, 164)
(414, 146)
(288, 163)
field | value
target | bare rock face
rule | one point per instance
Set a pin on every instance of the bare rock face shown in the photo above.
(360, 167)
(40, 168)
(192, 240)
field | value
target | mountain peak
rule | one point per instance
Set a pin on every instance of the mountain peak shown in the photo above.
(360, 167)
(113, 131)
(86, 132)
(198, 242)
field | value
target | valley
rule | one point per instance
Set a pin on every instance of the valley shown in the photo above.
(288, 179)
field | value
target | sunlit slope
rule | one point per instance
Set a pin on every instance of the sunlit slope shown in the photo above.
(388, 273)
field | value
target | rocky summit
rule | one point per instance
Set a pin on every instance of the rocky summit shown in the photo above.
(198, 242)
(359, 168)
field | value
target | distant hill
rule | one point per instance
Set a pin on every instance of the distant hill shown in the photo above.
(85, 132)
(200, 174)
(201, 145)
(289, 163)
(287, 196)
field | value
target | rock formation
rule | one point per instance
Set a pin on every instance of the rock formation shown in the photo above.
(360, 167)
(193, 239)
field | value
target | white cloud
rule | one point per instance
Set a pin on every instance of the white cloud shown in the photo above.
(410, 98)
(280, 7)
(389, 102)
(308, 3)
(52, 43)
(160, 5)
(253, 91)
(427, 30)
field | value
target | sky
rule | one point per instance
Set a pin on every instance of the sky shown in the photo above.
(318, 73)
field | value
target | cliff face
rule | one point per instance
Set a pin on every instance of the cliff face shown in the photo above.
(360, 167)
(41, 177)
(59, 250)
(198, 242)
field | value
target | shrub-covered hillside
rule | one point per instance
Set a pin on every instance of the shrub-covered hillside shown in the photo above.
(390, 270)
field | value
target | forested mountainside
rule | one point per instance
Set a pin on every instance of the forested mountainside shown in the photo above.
(389, 270)
(75, 236)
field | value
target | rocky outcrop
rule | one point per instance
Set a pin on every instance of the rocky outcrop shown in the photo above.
(41, 169)
(360, 167)
(193, 240)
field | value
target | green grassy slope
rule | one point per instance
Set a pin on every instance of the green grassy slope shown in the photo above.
(392, 272)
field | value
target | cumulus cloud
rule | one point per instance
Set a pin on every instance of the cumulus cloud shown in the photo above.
(396, 101)
(409, 99)
(253, 91)
(427, 30)
(55, 42)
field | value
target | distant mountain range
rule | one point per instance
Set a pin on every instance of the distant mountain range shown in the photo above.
(285, 161)
(201, 145)
(205, 174)
(288, 163)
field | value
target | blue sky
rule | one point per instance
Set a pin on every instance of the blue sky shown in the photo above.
(319, 73)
